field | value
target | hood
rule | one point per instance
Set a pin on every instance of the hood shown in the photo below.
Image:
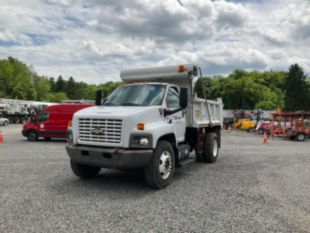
(112, 111)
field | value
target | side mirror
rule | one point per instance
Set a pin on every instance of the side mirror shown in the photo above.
(98, 97)
(183, 97)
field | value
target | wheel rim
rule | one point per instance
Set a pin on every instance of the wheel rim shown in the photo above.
(165, 164)
(301, 137)
(31, 136)
(215, 147)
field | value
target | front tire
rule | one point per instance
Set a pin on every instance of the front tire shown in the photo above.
(260, 131)
(5, 123)
(32, 136)
(84, 171)
(159, 173)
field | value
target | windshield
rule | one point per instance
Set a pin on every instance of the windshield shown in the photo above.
(137, 95)
(40, 117)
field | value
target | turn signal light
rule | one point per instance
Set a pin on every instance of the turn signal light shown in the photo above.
(69, 124)
(182, 68)
(140, 126)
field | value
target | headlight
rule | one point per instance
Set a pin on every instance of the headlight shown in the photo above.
(144, 141)
(140, 141)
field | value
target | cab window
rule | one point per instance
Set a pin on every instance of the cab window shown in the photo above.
(42, 116)
(173, 98)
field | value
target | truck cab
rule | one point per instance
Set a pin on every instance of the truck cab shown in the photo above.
(153, 122)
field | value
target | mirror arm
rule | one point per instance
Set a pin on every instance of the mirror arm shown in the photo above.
(98, 100)
(170, 112)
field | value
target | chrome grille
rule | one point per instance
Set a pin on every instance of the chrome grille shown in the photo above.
(100, 130)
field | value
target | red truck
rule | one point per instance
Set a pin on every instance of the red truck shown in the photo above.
(51, 122)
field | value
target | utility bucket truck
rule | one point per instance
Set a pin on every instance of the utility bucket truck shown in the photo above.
(153, 122)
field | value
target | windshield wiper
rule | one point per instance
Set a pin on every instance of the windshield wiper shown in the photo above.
(130, 104)
(109, 104)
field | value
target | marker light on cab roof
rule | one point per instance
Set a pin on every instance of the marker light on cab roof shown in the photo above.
(140, 126)
(182, 68)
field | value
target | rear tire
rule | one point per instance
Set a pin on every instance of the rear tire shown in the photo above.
(32, 136)
(5, 123)
(84, 171)
(300, 137)
(159, 173)
(211, 149)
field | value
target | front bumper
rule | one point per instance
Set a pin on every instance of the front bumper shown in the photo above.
(24, 133)
(115, 158)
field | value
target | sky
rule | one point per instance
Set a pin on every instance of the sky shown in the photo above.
(94, 40)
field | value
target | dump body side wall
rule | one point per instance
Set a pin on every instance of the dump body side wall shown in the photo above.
(207, 113)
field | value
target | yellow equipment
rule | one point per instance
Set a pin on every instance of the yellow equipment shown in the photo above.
(248, 124)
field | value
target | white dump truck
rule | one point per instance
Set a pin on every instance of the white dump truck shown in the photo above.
(153, 122)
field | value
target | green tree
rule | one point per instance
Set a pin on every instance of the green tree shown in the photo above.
(296, 89)
(245, 90)
(238, 74)
(52, 84)
(23, 89)
(70, 88)
(6, 77)
(57, 97)
(20, 84)
(90, 91)
(60, 85)
(108, 87)
(81, 91)
(42, 87)
(17, 80)
(239, 90)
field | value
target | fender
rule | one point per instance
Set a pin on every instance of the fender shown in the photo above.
(159, 130)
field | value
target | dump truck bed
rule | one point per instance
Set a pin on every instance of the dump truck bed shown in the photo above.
(207, 113)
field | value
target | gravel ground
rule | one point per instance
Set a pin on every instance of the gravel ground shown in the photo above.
(251, 188)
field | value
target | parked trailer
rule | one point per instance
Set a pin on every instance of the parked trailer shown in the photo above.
(17, 111)
(14, 113)
(292, 125)
(153, 122)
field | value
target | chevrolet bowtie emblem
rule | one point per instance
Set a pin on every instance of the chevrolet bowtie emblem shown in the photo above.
(97, 131)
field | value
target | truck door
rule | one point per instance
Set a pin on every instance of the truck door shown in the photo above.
(177, 119)
(41, 123)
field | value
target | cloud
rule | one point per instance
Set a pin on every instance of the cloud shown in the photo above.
(230, 14)
(163, 21)
(303, 31)
(93, 41)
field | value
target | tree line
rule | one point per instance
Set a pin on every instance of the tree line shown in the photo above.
(19, 81)
(268, 90)
(241, 89)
